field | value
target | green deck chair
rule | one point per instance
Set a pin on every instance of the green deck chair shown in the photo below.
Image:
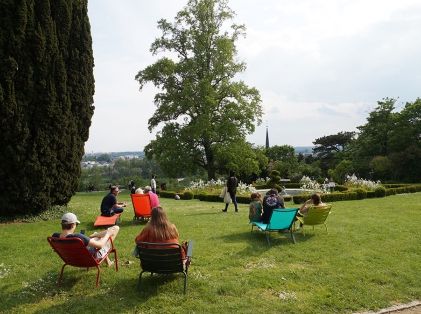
(316, 215)
(281, 219)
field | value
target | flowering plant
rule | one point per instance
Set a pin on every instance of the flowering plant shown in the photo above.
(313, 186)
(215, 186)
(354, 182)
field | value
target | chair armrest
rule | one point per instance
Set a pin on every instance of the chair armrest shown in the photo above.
(189, 248)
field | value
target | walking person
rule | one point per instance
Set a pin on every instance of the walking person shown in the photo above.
(153, 183)
(232, 183)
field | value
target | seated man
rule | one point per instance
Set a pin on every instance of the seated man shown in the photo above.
(109, 204)
(152, 196)
(97, 243)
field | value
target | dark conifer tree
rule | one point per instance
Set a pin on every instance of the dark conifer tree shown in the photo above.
(46, 101)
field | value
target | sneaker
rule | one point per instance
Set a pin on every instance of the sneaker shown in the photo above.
(224, 210)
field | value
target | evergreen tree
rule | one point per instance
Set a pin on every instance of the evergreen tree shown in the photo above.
(46, 97)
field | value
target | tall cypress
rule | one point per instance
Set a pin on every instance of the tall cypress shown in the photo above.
(46, 101)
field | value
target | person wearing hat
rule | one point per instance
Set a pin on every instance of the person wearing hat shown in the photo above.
(152, 196)
(109, 204)
(98, 243)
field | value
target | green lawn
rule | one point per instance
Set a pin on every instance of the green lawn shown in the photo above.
(370, 259)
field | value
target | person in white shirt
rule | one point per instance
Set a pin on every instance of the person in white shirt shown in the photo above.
(153, 183)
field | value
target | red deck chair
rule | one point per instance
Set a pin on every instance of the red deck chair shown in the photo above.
(73, 252)
(141, 206)
(102, 221)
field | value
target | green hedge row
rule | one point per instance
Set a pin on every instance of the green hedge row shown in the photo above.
(358, 194)
(347, 195)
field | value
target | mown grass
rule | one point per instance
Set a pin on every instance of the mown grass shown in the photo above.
(369, 259)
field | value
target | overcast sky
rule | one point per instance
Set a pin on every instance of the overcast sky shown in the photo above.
(320, 65)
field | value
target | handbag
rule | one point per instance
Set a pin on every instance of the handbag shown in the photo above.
(227, 197)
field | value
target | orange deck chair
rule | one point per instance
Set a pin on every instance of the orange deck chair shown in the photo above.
(141, 206)
(73, 252)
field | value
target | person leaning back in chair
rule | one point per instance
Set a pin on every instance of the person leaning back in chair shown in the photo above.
(109, 204)
(314, 200)
(97, 243)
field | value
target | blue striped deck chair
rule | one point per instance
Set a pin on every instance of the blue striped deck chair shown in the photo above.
(281, 219)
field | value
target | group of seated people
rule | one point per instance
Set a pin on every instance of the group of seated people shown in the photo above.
(261, 210)
(159, 230)
(110, 206)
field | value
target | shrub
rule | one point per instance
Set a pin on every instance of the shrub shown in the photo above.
(380, 191)
(188, 195)
(340, 188)
(361, 193)
(167, 194)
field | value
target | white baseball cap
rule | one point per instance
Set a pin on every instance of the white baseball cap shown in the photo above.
(69, 218)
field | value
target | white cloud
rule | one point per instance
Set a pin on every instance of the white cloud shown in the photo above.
(320, 65)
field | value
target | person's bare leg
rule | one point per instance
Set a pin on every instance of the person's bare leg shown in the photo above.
(112, 231)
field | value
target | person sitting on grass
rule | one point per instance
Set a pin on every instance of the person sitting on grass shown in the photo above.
(109, 204)
(256, 207)
(271, 201)
(314, 200)
(160, 230)
(97, 243)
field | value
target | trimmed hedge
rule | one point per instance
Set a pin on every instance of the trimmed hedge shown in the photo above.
(356, 194)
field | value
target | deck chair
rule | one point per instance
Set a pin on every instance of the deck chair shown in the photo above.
(141, 206)
(316, 215)
(73, 252)
(281, 219)
(164, 258)
(102, 221)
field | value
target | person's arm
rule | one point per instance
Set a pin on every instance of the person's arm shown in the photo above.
(305, 205)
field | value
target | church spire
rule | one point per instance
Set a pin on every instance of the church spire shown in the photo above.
(267, 137)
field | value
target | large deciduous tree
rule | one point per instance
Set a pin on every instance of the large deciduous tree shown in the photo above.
(200, 105)
(46, 97)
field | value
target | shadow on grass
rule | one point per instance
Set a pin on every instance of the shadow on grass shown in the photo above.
(33, 292)
(122, 296)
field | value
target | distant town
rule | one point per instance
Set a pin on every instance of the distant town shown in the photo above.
(104, 159)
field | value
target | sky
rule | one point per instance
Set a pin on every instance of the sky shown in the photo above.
(320, 65)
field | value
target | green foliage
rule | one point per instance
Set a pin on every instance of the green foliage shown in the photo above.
(381, 166)
(329, 149)
(46, 97)
(199, 104)
(361, 193)
(380, 191)
(339, 173)
(188, 195)
(275, 179)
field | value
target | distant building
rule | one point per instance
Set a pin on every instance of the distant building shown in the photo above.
(267, 138)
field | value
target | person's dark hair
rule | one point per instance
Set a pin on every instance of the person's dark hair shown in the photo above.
(113, 188)
(316, 199)
(255, 196)
(272, 192)
(66, 226)
(153, 176)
